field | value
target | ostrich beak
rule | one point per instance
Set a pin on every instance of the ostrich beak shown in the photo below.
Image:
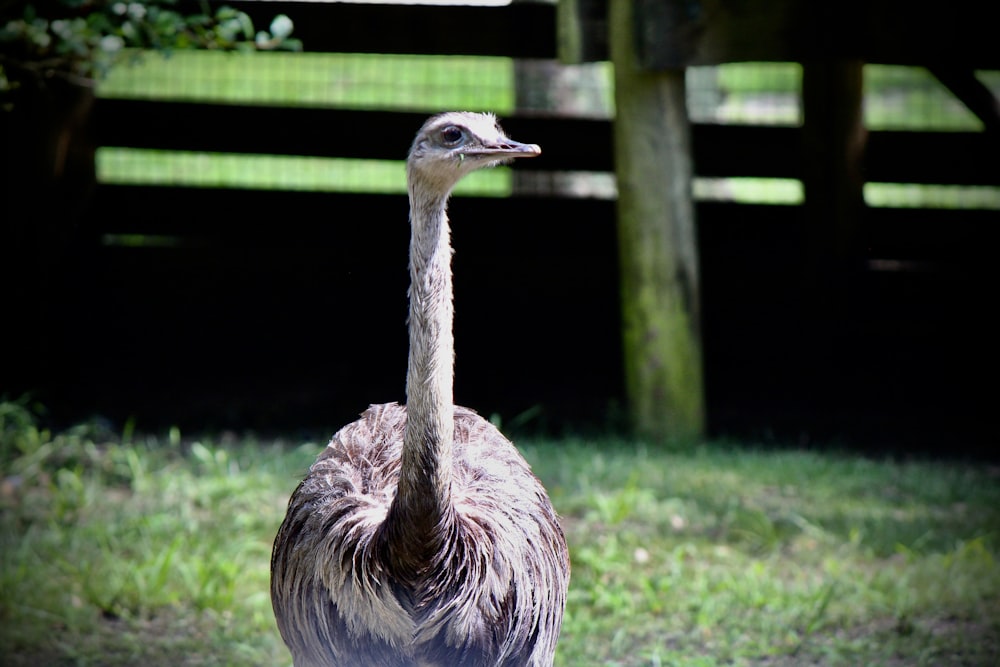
(505, 150)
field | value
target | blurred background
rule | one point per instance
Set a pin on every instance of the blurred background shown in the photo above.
(239, 256)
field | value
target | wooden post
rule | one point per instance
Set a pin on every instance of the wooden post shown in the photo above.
(834, 139)
(657, 241)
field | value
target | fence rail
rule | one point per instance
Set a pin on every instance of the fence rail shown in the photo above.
(571, 144)
(882, 31)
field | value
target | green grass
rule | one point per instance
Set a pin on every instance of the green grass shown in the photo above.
(363, 81)
(896, 97)
(121, 549)
(735, 556)
(278, 172)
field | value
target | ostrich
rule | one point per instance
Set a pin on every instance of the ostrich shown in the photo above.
(420, 536)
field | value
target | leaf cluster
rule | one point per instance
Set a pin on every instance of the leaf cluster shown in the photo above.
(80, 40)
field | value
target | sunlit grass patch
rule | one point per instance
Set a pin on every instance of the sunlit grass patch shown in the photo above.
(758, 558)
(276, 172)
(145, 551)
(748, 190)
(346, 80)
(122, 549)
(908, 195)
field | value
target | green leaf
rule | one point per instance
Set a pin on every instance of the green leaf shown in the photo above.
(281, 26)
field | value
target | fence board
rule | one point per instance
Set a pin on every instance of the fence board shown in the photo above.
(275, 218)
(569, 144)
(681, 34)
(932, 157)
(887, 32)
(279, 318)
(518, 30)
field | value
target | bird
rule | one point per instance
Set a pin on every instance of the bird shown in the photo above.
(420, 537)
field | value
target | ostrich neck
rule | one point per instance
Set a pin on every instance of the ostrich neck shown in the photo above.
(423, 499)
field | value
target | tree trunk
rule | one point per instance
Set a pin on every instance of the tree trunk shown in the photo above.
(657, 242)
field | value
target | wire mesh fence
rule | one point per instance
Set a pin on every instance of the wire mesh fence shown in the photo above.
(896, 99)
(362, 81)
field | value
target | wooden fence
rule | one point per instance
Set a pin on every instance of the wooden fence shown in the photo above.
(282, 308)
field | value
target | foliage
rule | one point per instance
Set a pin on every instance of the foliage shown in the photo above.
(125, 549)
(736, 556)
(79, 40)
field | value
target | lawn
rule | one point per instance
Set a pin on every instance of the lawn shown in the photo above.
(121, 548)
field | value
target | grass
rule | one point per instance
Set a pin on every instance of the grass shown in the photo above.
(121, 549)
(896, 97)
(282, 172)
(347, 80)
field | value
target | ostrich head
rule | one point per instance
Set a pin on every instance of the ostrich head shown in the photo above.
(452, 145)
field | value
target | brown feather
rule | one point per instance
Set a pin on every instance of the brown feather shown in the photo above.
(420, 536)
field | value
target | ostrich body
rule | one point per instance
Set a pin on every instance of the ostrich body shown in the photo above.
(420, 537)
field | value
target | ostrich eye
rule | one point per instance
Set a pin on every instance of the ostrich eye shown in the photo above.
(451, 134)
